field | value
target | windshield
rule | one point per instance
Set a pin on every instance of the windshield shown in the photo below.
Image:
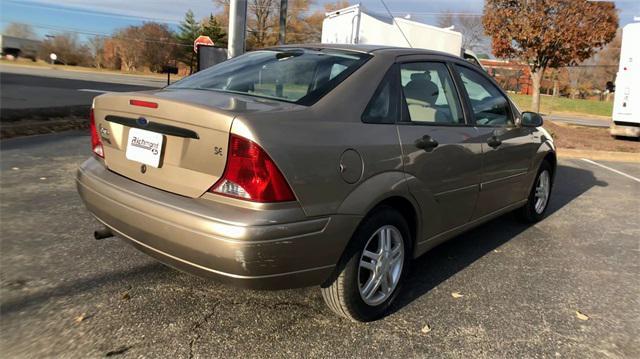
(294, 75)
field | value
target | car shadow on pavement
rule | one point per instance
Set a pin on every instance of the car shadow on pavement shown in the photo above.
(451, 257)
(19, 302)
(428, 271)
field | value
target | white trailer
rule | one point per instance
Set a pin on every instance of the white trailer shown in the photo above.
(19, 47)
(355, 25)
(626, 102)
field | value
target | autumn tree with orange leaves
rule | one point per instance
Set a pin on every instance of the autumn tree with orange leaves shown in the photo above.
(548, 33)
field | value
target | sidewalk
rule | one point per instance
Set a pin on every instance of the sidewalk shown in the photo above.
(581, 120)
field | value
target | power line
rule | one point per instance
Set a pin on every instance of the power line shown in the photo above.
(395, 22)
(176, 21)
(100, 34)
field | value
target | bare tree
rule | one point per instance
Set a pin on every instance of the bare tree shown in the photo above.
(151, 45)
(69, 49)
(19, 30)
(469, 25)
(446, 19)
(472, 31)
(96, 45)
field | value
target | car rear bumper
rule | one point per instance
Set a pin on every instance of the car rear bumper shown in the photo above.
(267, 247)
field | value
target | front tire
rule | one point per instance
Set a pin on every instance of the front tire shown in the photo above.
(373, 267)
(539, 197)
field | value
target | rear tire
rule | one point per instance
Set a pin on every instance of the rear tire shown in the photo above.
(539, 196)
(372, 269)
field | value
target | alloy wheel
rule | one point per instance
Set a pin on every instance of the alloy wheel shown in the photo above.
(380, 265)
(543, 188)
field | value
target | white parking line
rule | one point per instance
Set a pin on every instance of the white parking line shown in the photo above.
(611, 169)
(92, 90)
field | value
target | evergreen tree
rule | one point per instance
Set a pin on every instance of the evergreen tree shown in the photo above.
(188, 31)
(212, 28)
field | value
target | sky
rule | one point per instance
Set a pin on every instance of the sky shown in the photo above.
(102, 17)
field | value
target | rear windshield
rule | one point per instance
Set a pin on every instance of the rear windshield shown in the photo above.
(300, 76)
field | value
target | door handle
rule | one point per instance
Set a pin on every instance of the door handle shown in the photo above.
(426, 143)
(494, 141)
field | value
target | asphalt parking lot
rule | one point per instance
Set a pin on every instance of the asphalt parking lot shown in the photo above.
(64, 294)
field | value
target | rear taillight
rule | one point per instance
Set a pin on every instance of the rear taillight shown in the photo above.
(96, 143)
(251, 174)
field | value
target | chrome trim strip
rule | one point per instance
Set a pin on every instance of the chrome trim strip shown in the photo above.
(482, 184)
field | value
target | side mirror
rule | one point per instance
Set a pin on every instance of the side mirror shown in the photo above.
(531, 119)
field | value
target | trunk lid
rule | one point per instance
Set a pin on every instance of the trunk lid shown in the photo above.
(194, 127)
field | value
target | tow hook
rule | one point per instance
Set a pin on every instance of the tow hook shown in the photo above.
(102, 233)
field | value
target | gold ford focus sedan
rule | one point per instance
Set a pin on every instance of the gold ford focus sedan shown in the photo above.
(314, 165)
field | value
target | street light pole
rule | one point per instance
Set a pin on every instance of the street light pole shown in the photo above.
(283, 22)
(237, 27)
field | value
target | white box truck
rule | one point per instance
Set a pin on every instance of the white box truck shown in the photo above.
(19, 47)
(355, 25)
(626, 101)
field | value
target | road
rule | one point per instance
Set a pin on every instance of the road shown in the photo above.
(33, 88)
(64, 294)
(575, 120)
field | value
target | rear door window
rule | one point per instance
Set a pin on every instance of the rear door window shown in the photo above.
(429, 94)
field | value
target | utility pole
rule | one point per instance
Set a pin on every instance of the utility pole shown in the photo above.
(237, 27)
(283, 22)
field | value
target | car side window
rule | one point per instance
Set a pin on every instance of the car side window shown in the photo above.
(383, 107)
(429, 94)
(490, 106)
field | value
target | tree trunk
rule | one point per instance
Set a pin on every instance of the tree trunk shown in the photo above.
(536, 78)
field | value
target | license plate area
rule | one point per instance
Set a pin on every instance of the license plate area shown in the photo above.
(144, 146)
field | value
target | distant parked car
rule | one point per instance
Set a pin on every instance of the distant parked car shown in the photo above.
(314, 165)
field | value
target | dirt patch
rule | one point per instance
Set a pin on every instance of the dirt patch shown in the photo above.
(588, 138)
(35, 127)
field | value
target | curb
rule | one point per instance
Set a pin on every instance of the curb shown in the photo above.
(16, 116)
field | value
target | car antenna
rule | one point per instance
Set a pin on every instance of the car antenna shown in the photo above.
(395, 22)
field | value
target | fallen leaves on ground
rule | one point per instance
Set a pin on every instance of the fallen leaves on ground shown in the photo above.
(456, 295)
(126, 296)
(426, 329)
(81, 317)
(581, 316)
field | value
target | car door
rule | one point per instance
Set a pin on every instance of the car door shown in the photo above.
(441, 151)
(507, 148)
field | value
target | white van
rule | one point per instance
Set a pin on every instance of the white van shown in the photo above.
(355, 25)
(626, 103)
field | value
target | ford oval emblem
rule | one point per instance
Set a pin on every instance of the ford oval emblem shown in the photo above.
(142, 121)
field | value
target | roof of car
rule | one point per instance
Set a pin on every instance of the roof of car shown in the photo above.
(371, 49)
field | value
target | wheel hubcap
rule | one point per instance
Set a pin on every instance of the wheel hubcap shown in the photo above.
(543, 188)
(381, 265)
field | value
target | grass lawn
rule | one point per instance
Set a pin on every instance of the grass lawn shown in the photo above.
(552, 105)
